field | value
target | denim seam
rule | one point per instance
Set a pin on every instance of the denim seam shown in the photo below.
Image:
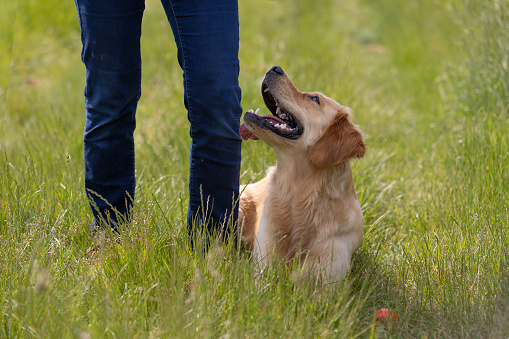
(78, 8)
(132, 183)
(189, 106)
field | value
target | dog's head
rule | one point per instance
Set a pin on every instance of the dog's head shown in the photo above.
(302, 122)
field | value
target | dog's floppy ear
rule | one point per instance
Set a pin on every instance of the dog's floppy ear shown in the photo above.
(340, 141)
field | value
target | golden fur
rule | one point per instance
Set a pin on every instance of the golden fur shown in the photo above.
(306, 207)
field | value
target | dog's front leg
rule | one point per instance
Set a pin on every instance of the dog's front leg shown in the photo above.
(263, 243)
(341, 249)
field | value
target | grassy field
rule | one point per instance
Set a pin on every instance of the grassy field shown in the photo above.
(429, 83)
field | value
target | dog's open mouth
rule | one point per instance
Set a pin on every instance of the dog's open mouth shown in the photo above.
(281, 122)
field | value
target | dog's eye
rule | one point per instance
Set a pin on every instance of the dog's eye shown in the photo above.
(315, 99)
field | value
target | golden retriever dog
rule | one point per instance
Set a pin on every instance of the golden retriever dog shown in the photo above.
(306, 208)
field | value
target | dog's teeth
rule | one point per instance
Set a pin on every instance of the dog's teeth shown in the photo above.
(278, 110)
(267, 90)
(250, 111)
(256, 112)
(277, 125)
(283, 126)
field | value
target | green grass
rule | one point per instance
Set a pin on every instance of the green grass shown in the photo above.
(429, 83)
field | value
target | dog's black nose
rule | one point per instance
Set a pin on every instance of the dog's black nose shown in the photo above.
(278, 70)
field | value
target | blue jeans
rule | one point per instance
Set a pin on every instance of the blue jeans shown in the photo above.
(207, 36)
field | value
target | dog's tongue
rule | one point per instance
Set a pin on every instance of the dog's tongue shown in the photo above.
(245, 134)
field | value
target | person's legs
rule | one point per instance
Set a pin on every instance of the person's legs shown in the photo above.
(207, 37)
(110, 32)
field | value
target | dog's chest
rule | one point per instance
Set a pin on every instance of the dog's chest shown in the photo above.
(289, 222)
